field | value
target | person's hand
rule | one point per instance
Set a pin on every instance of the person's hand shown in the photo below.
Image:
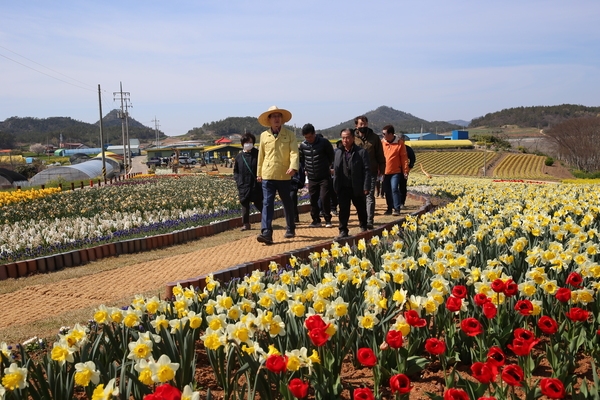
(290, 172)
(367, 192)
(258, 179)
(405, 176)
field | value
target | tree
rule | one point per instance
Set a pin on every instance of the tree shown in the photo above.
(578, 142)
(7, 141)
(37, 148)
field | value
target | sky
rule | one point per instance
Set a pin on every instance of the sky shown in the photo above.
(186, 63)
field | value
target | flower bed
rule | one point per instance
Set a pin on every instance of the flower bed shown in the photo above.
(481, 290)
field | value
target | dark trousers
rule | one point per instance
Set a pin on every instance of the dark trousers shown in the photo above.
(257, 200)
(403, 189)
(345, 197)
(319, 191)
(270, 189)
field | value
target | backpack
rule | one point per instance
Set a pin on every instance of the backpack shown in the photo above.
(412, 158)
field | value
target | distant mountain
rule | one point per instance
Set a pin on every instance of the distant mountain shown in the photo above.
(460, 122)
(535, 117)
(30, 130)
(402, 122)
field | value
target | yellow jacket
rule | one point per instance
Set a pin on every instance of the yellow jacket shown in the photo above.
(277, 155)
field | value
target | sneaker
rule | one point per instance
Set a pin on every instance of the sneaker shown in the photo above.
(388, 212)
(246, 227)
(334, 213)
(369, 226)
(315, 225)
(342, 235)
(289, 235)
(328, 224)
(264, 239)
(395, 213)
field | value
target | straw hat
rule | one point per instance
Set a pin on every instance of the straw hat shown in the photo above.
(263, 119)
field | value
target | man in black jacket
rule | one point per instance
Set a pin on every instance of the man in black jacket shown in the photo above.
(351, 181)
(316, 154)
(368, 140)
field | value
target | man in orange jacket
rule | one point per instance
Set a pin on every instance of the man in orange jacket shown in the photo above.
(396, 169)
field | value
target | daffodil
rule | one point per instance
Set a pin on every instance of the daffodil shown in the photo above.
(14, 377)
(144, 372)
(85, 373)
(163, 370)
(105, 393)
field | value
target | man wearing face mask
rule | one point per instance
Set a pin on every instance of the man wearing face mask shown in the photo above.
(368, 140)
(244, 174)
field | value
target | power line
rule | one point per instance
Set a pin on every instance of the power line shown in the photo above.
(43, 73)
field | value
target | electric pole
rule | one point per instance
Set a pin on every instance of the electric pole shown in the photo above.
(156, 125)
(124, 97)
(101, 135)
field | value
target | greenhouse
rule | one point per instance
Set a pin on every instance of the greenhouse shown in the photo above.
(78, 172)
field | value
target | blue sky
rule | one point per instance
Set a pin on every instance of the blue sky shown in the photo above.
(186, 63)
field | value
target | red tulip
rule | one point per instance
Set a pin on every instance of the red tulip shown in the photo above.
(363, 394)
(524, 307)
(459, 291)
(578, 314)
(524, 334)
(487, 398)
(489, 310)
(547, 325)
(435, 346)
(164, 392)
(314, 321)
(575, 280)
(498, 285)
(455, 394)
(276, 363)
(366, 357)
(453, 304)
(480, 299)
(413, 318)
(510, 288)
(484, 372)
(394, 339)
(512, 375)
(298, 388)
(522, 347)
(563, 295)
(318, 336)
(495, 356)
(471, 327)
(400, 383)
(552, 388)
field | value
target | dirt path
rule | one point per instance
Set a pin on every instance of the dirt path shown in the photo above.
(45, 302)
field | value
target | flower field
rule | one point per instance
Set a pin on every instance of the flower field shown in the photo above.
(498, 284)
(464, 163)
(527, 166)
(48, 221)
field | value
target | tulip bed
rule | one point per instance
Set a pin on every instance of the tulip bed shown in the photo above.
(497, 291)
(44, 222)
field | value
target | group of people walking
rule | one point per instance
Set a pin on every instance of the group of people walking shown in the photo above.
(349, 173)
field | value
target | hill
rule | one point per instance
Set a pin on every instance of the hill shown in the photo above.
(403, 122)
(30, 130)
(535, 117)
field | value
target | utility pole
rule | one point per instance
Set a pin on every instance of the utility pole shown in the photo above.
(124, 97)
(156, 125)
(101, 135)
(127, 130)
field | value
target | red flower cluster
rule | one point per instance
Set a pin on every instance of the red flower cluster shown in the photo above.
(578, 314)
(523, 342)
(511, 374)
(317, 330)
(298, 388)
(164, 392)
(413, 318)
(509, 288)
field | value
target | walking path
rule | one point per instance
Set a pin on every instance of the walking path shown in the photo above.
(64, 298)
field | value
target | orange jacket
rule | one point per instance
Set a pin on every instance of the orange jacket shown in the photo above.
(396, 159)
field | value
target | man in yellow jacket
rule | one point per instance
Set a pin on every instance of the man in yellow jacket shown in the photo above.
(277, 163)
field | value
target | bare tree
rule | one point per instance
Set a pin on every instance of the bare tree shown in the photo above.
(37, 148)
(578, 142)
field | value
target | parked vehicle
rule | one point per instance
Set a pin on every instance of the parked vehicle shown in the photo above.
(185, 160)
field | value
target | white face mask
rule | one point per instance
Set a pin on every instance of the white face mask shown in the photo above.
(248, 146)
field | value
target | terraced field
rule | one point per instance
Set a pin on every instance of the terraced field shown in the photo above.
(465, 163)
(470, 163)
(523, 166)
